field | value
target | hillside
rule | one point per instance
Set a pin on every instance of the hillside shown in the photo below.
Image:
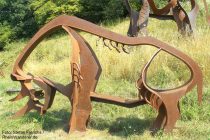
(120, 70)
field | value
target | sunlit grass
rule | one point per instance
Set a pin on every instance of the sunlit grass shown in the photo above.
(120, 71)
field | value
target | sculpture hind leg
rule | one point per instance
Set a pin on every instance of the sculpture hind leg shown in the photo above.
(156, 103)
(168, 110)
(167, 106)
(160, 120)
(166, 118)
(173, 114)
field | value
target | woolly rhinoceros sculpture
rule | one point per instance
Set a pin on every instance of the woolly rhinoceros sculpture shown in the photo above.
(86, 70)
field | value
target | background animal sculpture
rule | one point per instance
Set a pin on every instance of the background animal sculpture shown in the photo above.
(186, 22)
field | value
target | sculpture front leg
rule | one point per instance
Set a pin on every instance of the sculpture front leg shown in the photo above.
(85, 74)
(81, 109)
(36, 105)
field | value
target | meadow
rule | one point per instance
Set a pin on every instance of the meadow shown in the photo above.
(120, 71)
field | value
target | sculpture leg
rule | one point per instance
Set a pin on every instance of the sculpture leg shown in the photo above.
(85, 74)
(185, 21)
(167, 117)
(20, 95)
(173, 114)
(28, 107)
(160, 120)
(143, 18)
(81, 108)
(24, 91)
(179, 16)
(156, 103)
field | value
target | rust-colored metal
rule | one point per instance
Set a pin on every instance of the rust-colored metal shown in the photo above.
(185, 21)
(1, 73)
(207, 12)
(86, 70)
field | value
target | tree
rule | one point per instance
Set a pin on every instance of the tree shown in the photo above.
(16, 20)
(46, 10)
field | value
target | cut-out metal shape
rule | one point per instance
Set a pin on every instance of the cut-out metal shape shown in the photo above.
(85, 73)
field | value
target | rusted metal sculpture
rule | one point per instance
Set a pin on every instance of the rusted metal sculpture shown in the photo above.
(185, 21)
(86, 70)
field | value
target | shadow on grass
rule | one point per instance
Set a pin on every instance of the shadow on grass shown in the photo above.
(123, 127)
(52, 120)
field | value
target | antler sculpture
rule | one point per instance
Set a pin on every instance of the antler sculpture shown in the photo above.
(86, 70)
(185, 21)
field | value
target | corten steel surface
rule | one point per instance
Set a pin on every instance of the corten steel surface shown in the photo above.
(86, 70)
(172, 11)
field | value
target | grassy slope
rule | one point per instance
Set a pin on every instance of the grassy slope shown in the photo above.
(119, 74)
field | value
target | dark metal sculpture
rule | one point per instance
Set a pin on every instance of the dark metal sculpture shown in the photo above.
(86, 70)
(138, 20)
(185, 21)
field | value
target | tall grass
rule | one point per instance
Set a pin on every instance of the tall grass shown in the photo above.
(52, 57)
(120, 70)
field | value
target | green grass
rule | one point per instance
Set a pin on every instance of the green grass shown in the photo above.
(120, 70)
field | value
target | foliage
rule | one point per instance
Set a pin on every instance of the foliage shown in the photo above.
(99, 10)
(5, 35)
(16, 20)
(45, 10)
(114, 9)
(22, 18)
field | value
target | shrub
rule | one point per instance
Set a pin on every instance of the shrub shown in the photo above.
(16, 20)
(45, 10)
(5, 35)
(22, 18)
